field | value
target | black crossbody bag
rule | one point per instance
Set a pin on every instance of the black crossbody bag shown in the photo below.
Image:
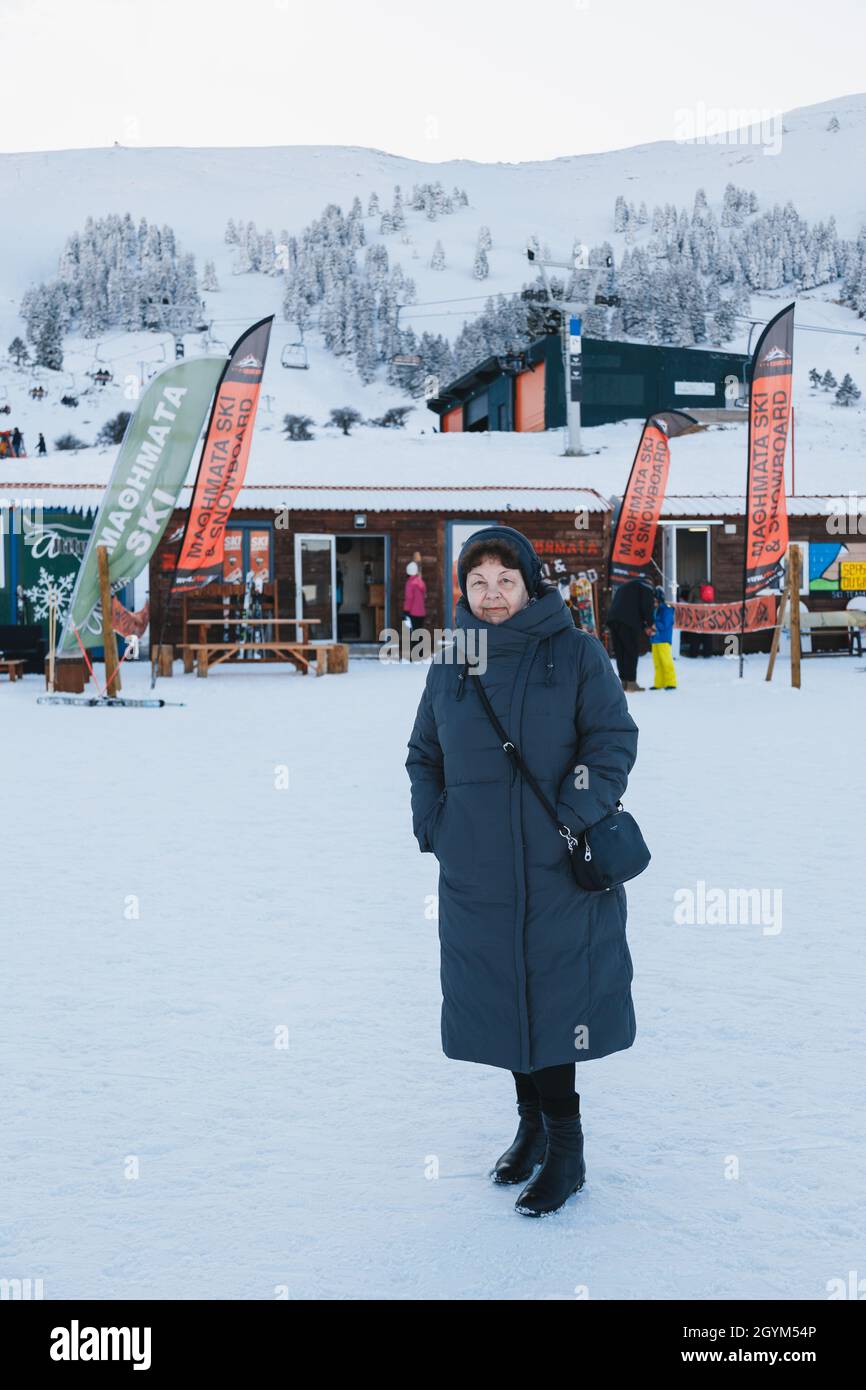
(605, 854)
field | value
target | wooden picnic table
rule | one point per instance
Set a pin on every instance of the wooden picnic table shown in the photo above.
(282, 648)
(252, 621)
(13, 666)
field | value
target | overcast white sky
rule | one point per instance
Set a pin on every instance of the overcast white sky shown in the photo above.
(432, 79)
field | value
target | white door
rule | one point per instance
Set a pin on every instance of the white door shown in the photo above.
(669, 577)
(316, 585)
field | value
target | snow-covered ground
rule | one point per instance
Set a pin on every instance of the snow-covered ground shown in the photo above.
(352, 1163)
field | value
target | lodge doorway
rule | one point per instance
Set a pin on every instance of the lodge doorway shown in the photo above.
(363, 591)
(686, 556)
(693, 557)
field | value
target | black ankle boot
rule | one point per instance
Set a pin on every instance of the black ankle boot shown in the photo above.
(530, 1142)
(563, 1171)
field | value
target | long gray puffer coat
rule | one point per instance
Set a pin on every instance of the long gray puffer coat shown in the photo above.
(535, 971)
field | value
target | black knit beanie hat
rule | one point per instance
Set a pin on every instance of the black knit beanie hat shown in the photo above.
(530, 565)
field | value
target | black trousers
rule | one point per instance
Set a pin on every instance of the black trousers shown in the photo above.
(553, 1086)
(626, 640)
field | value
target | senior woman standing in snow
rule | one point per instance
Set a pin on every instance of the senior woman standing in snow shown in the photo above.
(535, 971)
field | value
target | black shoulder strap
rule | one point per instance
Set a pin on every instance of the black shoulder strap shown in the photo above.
(509, 747)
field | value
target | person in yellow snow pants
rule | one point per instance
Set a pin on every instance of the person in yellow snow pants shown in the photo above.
(664, 675)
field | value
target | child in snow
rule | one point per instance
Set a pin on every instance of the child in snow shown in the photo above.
(664, 675)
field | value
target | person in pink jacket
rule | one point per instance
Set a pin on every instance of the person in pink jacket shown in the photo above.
(414, 597)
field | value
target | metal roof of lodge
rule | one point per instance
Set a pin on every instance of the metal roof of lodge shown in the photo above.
(371, 497)
(410, 497)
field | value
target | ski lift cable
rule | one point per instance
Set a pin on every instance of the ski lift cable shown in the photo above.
(451, 299)
(803, 327)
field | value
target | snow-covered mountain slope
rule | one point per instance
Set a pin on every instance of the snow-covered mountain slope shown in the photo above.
(197, 190)
(47, 195)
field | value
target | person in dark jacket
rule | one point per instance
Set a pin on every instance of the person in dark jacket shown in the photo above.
(535, 972)
(630, 614)
(40, 445)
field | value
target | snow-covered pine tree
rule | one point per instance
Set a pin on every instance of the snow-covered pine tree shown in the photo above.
(712, 298)
(344, 417)
(48, 329)
(111, 275)
(363, 339)
(480, 267)
(594, 323)
(437, 260)
(828, 381)
(267, 253)
(398, 217)
(443, 202)
(251, 243)
(297, 428)
(722, 322)
(701, 208)
(209, 281)
(18, 351)
(848, 392)
(730, 207)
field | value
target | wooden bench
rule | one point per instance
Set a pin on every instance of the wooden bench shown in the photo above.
(850, 622)
(13, 666)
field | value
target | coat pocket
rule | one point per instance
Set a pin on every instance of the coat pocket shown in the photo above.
(431, 824)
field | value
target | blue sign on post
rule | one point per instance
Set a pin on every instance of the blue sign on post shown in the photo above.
(575, 358)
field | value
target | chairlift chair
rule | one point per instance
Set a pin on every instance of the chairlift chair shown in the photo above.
(294, 355)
